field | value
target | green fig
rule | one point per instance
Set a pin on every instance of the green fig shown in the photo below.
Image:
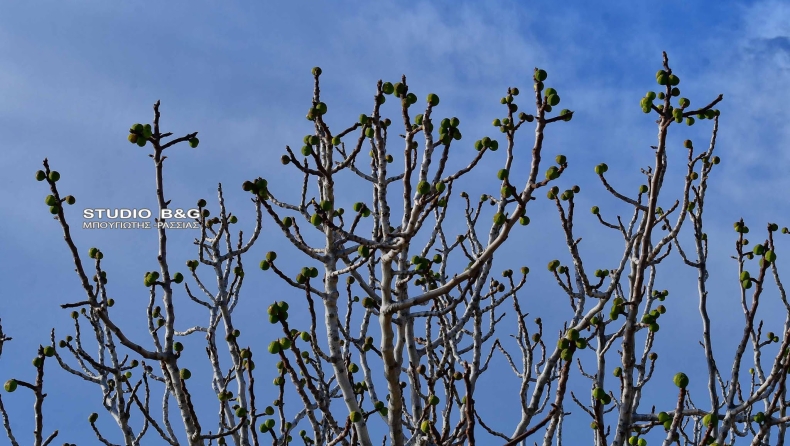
(433, 100)
(770, 256)
(10, 385)
(40, 175)
(193, 142)
(681, 380)
(274, 347)
(425, 426)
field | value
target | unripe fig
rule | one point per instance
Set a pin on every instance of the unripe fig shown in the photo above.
(600, 169)
(194, 142)
(185, 373)
(681, 380)
(598, 393)
(274, 347)
(770, 256)
(364, 251)
(433, 100)
(552, 173)
(10, 385)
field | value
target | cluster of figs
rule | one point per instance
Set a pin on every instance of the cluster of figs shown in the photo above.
(398, 89)
(139, 134)
(50, 200)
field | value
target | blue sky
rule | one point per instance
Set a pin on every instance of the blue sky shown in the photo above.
(76, 74)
